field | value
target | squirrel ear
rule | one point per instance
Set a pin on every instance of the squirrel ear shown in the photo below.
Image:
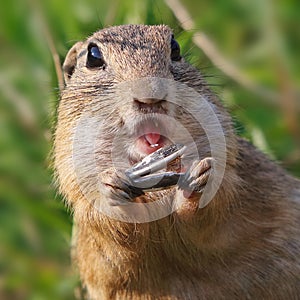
(70, 62)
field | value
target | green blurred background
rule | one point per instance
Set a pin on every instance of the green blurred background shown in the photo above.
(258, 39)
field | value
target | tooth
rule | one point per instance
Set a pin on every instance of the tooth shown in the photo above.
(154, 145)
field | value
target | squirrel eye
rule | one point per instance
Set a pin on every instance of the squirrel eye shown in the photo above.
(94, 58)
(175, 50)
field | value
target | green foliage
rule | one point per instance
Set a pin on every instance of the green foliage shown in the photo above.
(262, 38)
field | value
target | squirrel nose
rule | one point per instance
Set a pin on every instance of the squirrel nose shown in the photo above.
(148, 90)
(149, 105)
(148, 101)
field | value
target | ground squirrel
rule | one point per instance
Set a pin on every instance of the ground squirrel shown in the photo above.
(128, 93)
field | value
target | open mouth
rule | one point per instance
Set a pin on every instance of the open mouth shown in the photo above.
(150, 142)
(151, 136)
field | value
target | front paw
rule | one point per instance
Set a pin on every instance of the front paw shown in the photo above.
(116, 189)
(197, 176)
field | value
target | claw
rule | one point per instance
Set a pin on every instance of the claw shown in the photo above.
(195, 179)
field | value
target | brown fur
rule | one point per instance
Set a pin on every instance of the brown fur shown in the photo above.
(245, 244)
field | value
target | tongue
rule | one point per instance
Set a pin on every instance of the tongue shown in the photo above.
(152, 138)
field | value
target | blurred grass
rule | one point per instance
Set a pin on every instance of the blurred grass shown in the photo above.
(261, 38)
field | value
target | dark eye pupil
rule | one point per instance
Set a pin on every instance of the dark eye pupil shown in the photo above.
(95, 58)
(95, 53)
(175, 50)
